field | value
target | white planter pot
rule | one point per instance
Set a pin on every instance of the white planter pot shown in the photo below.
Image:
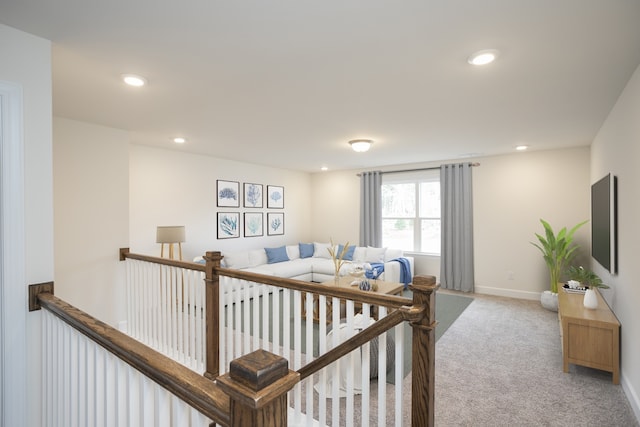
(590, 299)
(549, 300)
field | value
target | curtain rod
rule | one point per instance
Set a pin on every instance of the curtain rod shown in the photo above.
(416, 170)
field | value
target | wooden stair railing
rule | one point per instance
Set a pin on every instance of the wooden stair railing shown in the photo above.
(421, 316)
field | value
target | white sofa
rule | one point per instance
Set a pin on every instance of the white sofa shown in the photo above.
(318, 267)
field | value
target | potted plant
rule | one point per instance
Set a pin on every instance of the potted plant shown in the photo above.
(557, 250)
(589, 280)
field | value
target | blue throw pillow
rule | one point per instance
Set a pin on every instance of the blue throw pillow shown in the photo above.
(348, 256)
(306, 250)
(276, 254)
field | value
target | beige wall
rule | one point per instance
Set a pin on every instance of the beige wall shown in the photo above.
(616, 149)
(511, 193)
(91, 211)
(26, 61)
(169, 187)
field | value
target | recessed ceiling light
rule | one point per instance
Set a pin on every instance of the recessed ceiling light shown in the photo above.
(360, 145)
(483, 57)
(521, 147)
(179, 140)
(133, 80)
(324, 169)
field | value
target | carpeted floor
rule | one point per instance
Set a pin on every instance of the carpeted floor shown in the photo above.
(500, 364)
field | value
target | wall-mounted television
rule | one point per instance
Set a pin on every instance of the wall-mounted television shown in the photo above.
(604, 224)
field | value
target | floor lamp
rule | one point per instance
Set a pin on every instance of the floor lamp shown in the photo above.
(170, 235)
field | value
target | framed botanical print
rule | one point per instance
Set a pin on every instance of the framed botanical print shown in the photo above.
(275, 223)
(252, 195)
(253, 224)
(228, 194)
(228, 225)
(275, 197)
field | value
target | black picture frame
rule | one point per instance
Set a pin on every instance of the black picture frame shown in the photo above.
(228, 225)
(227, 194)
(275, 197)
(253, 195)
(275, 223)
(253, 224)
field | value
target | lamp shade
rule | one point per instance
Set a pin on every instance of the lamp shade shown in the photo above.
(170, 234)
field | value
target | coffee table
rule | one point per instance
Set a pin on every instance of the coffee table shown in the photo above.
(383, 287)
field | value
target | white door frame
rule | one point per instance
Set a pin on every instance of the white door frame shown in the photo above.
(13, 288)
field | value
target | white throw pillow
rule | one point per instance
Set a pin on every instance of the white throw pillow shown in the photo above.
(321, 250)
(293, 251)
(257, 257)
(374, 254)
(236, 260)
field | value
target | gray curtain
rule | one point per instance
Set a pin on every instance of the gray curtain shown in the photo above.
(371, 209)
(456, 258)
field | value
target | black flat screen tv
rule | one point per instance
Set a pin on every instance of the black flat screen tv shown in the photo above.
(604, 224)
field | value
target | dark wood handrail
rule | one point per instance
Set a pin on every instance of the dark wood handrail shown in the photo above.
(391, 301)
(124, 254)
(196, 390)
(361, 338)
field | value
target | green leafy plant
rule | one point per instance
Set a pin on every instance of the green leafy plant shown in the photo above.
(585, 277)
(557, 250)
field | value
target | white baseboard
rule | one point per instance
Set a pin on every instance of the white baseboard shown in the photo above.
(632, 396)
(511, 293)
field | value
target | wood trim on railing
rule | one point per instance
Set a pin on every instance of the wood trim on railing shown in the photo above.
(124, 254)
(392, 301)
(196, 390)
(359, 339)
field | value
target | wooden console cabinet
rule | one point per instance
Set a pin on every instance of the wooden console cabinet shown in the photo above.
(589, 337)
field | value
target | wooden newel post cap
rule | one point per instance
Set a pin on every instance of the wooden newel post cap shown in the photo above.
(258, 369)
(257, 379)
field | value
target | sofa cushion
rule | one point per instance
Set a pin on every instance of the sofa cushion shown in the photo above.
(392, 254)
(293, 251)
(306, 250)
(275, 255)
(348, 256)
(321, 250)
(237, 260)
(290, 269)
(257, 257)
(374, 254)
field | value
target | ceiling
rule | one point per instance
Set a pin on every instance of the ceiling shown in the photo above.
(287, 83)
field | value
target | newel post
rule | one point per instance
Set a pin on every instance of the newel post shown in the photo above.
(423, 352)
(212, 295)
(257, 385)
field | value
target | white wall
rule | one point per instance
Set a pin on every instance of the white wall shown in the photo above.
(91, 211)
(26, 60)
(511, 193)
(169, 187)
(616, 149)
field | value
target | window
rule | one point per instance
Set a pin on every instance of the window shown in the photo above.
(411, 212)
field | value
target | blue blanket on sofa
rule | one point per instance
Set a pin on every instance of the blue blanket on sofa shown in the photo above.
(405, 271)
(377, 268)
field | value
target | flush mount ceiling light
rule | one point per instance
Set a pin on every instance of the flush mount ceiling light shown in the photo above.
(360, 145)
(521, 147)
(483, 57)
(179, 140)
(133, 80)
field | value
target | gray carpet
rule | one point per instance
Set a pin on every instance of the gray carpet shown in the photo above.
(500, 364)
